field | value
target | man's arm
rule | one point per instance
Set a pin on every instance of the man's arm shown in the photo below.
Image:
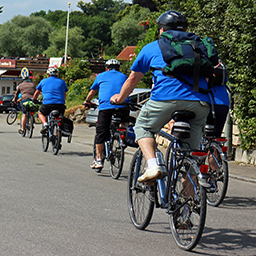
(128, 86)
(36, 94)
(90, 95)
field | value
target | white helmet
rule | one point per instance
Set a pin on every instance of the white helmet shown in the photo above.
(112, 64)
(52, 71)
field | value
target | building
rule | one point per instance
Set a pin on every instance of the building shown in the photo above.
(10, 70)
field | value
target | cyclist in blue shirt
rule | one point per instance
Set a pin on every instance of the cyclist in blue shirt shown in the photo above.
(54, 95)
(168, 95)
(106, 84)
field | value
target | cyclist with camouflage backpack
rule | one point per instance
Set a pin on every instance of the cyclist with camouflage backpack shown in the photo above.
(171, 92)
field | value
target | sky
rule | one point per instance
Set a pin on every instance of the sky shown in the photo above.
(12, 8)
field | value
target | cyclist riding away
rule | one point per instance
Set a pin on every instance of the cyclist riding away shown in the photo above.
(168, 95)
(54, 95)
(106, 84)
(26, 89)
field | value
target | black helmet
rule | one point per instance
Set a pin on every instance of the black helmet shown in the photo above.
(172, 20)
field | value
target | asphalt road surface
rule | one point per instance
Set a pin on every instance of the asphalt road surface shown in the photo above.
(57, 206)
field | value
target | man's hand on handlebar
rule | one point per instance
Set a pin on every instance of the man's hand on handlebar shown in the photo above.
(89, 104)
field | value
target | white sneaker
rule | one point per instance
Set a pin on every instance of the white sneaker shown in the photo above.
(155, 173)
(96, 164)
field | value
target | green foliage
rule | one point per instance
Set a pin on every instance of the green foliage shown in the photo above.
(58, 40)
(79, 89)
(73, 70)
(128, 30)
(24, 36)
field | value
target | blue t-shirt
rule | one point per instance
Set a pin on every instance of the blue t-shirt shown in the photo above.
(53, 90)
(108, 83)
(166, 88)
(221, 96)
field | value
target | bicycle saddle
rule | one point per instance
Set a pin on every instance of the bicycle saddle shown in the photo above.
(55, 112)
(182, 115)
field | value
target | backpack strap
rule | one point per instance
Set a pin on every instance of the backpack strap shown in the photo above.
(197, 57)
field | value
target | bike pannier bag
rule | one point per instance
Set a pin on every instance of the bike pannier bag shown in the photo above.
(67, 125)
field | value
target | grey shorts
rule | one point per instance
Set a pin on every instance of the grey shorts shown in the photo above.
(155, 114)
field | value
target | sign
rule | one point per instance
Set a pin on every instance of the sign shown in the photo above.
(55, 62)
(7, 63)
(24, 72)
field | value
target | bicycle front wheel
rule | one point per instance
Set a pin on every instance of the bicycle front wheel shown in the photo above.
(187, 200)
(56, 139)
(30, 126)
(11, 117)
(140, 196)
(219, 176)
(116, 158)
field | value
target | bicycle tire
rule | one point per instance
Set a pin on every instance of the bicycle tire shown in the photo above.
(56, 138)
(188, 213)
(98, 170)
(11, 117)
(45, 141)
(30, 126)
(220, 177)
(116, 157)
(140, 197)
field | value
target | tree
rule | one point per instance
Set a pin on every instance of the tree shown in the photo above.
(128, 30)
(58, 39)
(24, 36)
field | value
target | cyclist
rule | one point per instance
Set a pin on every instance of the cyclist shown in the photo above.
(168, 95)
(106, 84)
(54, 95)
(26, 89)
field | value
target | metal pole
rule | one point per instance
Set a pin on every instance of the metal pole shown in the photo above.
(66, 46)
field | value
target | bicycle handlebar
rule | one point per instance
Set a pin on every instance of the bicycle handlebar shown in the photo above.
(132, 106)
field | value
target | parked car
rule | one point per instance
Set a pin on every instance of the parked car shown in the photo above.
(139, 95)
(5, 102)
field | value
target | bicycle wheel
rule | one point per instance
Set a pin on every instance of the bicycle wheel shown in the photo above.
(11, 117)
(30, 126)
(56, 139)
(140, 196)
(45, 141)
(219, 176)
(116, 158)
(187, 200)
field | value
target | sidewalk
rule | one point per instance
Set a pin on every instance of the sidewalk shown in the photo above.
(85, 135)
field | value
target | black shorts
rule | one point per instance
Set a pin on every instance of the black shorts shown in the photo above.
(104, 121)
(46, 109)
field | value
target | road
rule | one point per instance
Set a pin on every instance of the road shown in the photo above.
(56, 206)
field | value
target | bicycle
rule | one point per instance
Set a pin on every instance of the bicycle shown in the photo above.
(116, 145)
(180, 192)
(57, 126)
(30, 110)
(13, 113)
(217, 161)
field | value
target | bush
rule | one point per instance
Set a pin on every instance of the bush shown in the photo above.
(79, 89)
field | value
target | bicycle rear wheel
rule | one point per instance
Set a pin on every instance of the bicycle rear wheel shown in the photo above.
(45, 141)
(218, 176)
(56, 139)
(140, 196)
(29, 126)
(187, 200)
(116, 158)
(11, 117)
